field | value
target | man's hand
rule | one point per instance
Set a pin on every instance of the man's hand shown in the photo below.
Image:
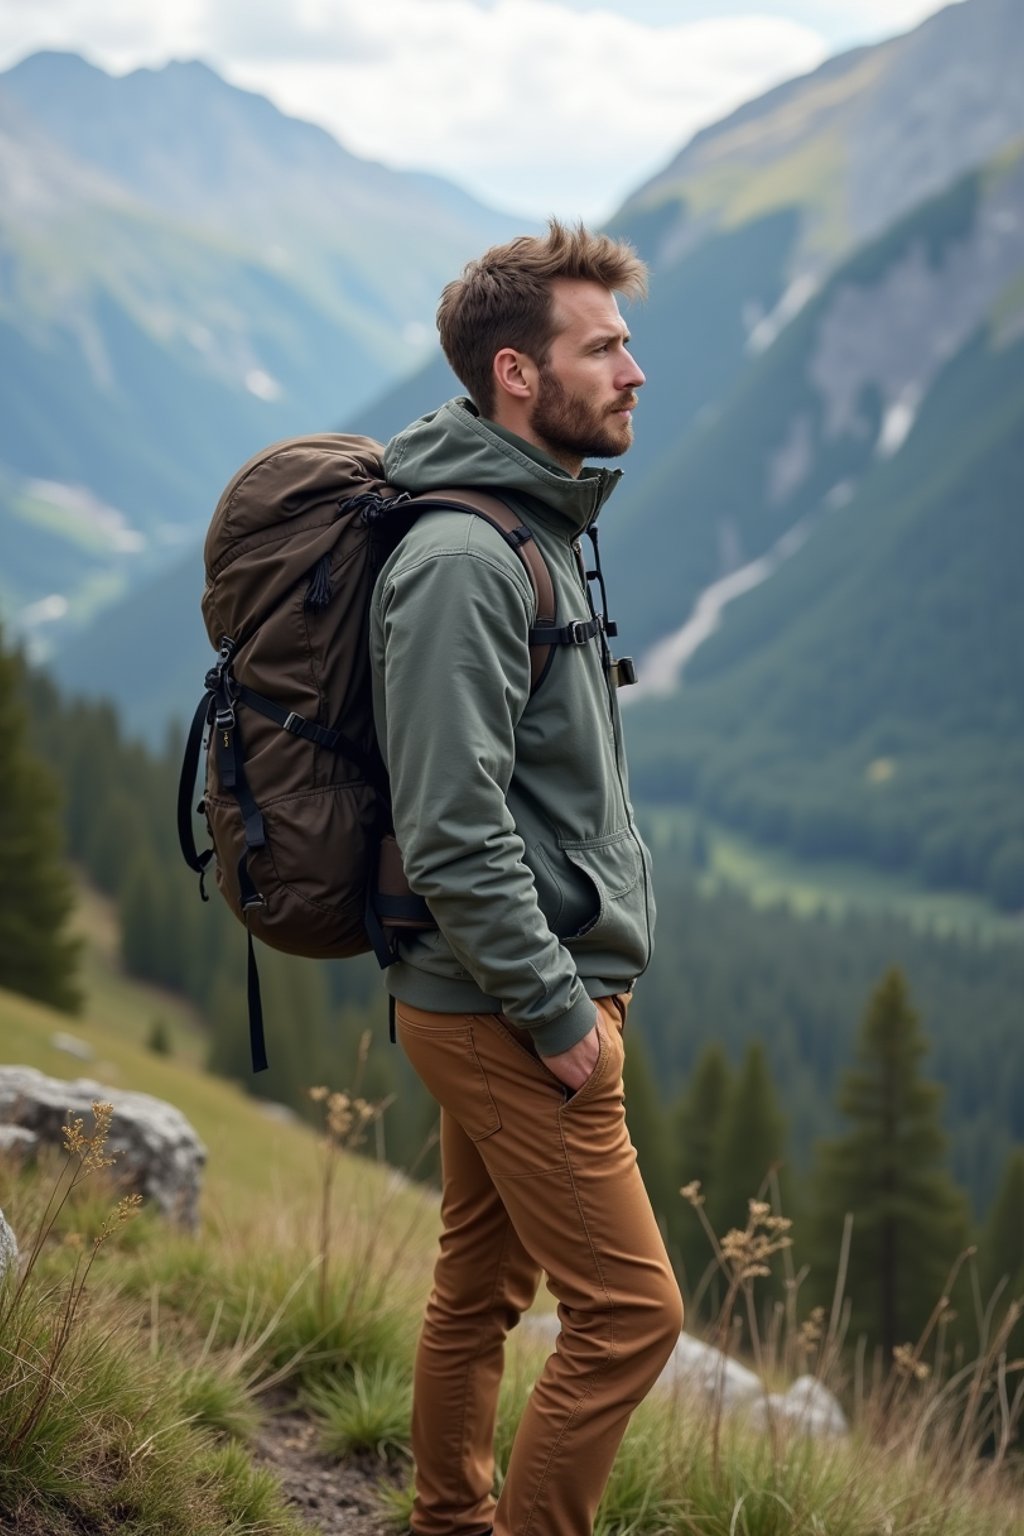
(574, 1066)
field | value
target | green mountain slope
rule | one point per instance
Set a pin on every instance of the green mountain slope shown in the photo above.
(854, 145)
(185, 273)
(866, 701)
(846, 416)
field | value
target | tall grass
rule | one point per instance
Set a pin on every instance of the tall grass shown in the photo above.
(136, 1361)
(95, 1433)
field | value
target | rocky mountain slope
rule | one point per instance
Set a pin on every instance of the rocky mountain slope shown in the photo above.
(828, 439)
(185, 273)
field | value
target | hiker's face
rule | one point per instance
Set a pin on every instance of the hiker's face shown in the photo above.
(587, 387)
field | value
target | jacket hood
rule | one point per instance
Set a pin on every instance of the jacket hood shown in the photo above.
(456, 446)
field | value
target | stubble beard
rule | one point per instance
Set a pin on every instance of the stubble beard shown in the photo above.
(573, 428)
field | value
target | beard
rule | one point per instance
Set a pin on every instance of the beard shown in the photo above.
(571, 426)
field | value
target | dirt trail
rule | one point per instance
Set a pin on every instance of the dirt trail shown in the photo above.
(334, 1498)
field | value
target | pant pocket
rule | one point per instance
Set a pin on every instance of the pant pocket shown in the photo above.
(592, 1086)
(441, 1050)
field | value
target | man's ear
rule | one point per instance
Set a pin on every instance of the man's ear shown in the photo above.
(515, 374)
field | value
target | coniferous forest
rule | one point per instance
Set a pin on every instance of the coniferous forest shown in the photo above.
(853, 1066)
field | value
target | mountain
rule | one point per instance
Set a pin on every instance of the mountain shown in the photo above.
(856, 701)
(185, 274)
(826, 466)
(855, 145)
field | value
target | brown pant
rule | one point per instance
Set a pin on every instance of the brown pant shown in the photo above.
(533, 1180)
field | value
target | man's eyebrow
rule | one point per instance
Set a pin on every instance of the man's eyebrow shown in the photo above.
(602, 336)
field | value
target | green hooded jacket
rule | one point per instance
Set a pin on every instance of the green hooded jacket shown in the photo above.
(511, 810)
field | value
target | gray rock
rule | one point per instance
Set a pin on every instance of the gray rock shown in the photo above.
(159, 1155)
(17, 1143)
(807, 1406)
(8, 1247)
(699, 1370)
(694, 1367)
(72, 1045)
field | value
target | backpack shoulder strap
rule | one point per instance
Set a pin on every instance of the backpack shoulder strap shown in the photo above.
(545, 633)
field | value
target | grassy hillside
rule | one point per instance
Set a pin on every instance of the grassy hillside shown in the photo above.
(262, 1167)
(179, 1348)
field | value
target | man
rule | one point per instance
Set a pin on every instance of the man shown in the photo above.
(514, 823)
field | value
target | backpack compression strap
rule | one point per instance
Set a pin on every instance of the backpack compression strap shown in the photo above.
(546, 632)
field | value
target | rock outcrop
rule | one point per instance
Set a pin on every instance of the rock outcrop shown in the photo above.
(699, 1370)
(8, 1247)
(159, 1154)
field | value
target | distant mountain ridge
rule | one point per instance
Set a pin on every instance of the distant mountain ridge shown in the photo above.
(860, 141)
(833, 416)
(185, 273)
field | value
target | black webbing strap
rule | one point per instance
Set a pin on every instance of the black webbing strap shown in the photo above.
(250, 898)
(576, 632)
(410, 908)
(186, 789)
(257, 1042)
(297, 725)
(383, 947)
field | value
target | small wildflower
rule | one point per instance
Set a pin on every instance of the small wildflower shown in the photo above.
(691, 1192)
(748, 1250)
(908, 1364)
(813, 1327)
(90, 1150)
(73, 1136)
(126, 1209)
(347, 1117)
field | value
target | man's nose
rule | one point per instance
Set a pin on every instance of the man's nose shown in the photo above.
(632, 375)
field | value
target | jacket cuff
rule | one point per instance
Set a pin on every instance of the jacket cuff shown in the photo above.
(562, 1033)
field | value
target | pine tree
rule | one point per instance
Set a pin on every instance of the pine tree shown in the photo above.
(647, 1127)
(696, 1127)
(1001, 1260)
(750, 1144)
(37, 957)
(888, 1171)
(145, 930)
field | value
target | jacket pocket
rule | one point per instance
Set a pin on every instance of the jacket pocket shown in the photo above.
(614, 868)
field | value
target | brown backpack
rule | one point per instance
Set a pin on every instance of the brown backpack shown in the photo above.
(296, 796)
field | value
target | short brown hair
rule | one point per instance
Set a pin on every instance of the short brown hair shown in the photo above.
(503, 299)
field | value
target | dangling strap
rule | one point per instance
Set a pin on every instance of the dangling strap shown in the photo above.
(186, 788)
(257, 1041)
(622, 672)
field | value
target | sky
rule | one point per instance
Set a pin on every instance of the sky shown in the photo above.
(535, 106)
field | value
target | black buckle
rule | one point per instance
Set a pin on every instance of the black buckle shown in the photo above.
(294, 723)
(579, 631)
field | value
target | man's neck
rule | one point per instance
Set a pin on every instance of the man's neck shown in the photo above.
(537, 448)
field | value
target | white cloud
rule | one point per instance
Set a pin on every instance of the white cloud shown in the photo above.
(870, 16)
(534, 105)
